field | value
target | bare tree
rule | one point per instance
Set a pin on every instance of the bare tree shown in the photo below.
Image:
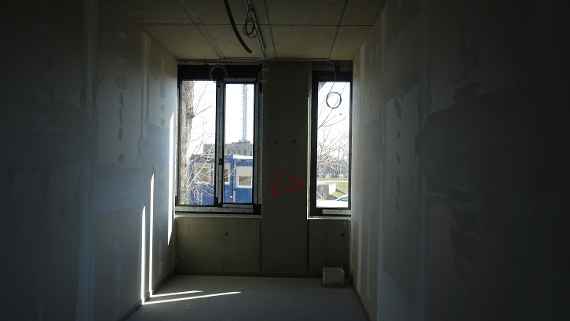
(192, 142)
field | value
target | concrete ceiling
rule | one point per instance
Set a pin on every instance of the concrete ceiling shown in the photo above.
(307, 29)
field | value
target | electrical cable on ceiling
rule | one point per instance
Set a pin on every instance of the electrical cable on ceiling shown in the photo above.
(236, 32)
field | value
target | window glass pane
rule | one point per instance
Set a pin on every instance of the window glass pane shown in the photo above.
(238, 142)
(226, 173)
(333, 145)
(244, 176)
(197, 143)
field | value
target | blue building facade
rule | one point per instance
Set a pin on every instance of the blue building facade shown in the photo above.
(238, 181)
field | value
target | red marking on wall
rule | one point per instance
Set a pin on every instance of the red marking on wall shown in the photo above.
(282, 183)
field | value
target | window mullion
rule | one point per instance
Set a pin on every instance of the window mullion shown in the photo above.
(219, 168)
(256, 181)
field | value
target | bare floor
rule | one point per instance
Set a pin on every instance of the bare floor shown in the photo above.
(223, 298)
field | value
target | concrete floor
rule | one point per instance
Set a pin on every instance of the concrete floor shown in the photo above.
(223, 298)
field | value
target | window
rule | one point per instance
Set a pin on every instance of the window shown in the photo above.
(330, 139)
(216, 168)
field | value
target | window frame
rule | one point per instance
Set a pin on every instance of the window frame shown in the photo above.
(222, 136)
(314, 211)
(234, 74)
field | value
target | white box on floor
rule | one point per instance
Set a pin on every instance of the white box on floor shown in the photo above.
(333, 276)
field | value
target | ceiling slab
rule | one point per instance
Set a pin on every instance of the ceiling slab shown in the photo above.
(184, 42)
(156, 11)
(211, 12)
(362, 12)
(229, 45)
(305, 12)
(348, 42)
(304, 29)
(303, 42)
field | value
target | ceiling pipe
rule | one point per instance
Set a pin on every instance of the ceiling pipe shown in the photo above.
(250, 10)
(236, 32)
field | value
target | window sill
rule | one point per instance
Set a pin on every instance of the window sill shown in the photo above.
(217, 215)
(330, 217)
(328, 212)
(229, 212)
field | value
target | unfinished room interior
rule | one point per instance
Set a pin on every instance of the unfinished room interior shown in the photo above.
(272, 160)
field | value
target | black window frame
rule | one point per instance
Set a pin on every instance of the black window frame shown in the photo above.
(327, 76)
(223, 75)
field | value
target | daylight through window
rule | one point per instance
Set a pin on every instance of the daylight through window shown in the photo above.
(216, 143)
(332, 145)
(197, 140)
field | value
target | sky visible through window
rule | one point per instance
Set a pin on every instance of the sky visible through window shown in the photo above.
(238, 143)
(234, 113)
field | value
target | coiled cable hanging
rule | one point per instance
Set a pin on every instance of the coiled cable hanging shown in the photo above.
(333, 96)
(218, 72)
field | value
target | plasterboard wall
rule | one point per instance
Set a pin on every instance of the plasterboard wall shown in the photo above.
(447, 158)
(85, 126)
